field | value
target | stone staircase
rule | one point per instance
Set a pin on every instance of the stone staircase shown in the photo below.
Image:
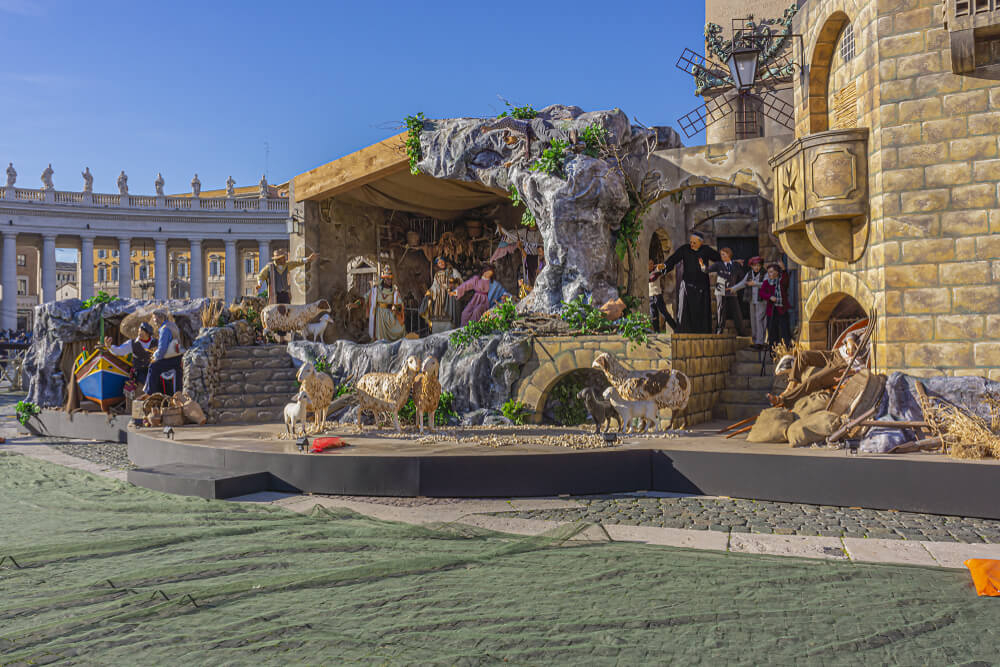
(255, 383)
(746, 389)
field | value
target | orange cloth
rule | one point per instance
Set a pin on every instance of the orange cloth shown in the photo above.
(321, 444)
(985, 575)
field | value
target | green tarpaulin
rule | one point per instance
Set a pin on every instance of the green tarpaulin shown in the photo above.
(98, 558)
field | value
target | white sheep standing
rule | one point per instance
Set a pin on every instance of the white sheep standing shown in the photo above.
(296, 412)
(314, 331)
(288, 319)
(644, 411)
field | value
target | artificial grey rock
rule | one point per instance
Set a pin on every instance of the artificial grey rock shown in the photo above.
(67, 321)
(480, 375)
(578, 214)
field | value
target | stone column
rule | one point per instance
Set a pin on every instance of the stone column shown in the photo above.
(8, 273)
(48, 268)
(232, 271)
(196, 271)
(124, 268)
(87, 267)
(161, 271)
(264, 250)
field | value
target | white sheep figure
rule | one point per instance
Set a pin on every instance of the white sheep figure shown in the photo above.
(644, 411)
(296, 412)
(314, 331)
(288, 319)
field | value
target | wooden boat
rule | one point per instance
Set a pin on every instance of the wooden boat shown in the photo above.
(101, 376)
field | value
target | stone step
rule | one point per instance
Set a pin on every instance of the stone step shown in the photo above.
(248, 363)
(203, 481)
(734, 412)
(751, 369)
(257, 351)
(256, 375)
(746, 354)
(269, 399)
(748, 396)
(764, 383)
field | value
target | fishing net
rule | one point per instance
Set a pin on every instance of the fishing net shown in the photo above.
(113, 574)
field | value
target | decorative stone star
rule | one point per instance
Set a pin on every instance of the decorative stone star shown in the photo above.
(791, 186)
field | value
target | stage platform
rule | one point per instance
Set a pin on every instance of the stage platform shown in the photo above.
(699, 462)
(78, 426)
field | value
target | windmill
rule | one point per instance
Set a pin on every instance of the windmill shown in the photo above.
(756, 65)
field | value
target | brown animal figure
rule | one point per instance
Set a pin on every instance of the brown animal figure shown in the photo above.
(385, 393)
(286, 318)
(426, 393)
(318, 387)
(668, 389)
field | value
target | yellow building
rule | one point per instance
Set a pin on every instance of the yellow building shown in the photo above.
(142, 269)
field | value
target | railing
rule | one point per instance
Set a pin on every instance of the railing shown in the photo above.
(271, 205)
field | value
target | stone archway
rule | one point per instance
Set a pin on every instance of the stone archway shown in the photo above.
(822, 305)
(819, 71)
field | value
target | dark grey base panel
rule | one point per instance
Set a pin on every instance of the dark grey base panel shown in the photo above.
(79, 426)
(934, 486)
(193, 480)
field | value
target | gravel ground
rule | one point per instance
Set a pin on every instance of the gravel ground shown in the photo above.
(113, 455)
(750, 516)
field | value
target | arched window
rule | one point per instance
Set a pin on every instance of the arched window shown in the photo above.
(213, 268)
(143, 271)
(182, 269)
(114, 273)
(102, 275)
(846, 46)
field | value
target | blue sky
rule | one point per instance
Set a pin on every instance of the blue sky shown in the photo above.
(182, 87)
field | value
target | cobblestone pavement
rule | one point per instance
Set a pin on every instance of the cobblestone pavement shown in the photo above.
(750, 516)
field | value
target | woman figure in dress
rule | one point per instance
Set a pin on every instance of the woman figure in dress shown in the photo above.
(486, 293)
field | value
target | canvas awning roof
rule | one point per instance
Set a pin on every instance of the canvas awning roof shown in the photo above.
(379, 175)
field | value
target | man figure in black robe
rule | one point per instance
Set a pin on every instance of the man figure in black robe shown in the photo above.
(695, 309)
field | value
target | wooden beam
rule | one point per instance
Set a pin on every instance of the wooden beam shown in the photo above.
(352, 171)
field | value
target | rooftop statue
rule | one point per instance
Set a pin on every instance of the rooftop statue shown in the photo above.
(47, 177)
(158, 184)
(263, 187)
(196, 186)
(11, 175)
(88, 180)
(230, 187)
(122, 183)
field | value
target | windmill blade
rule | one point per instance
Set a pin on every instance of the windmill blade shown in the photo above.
(700, 67)
(779, 68)
(699, 118)
(776, 109)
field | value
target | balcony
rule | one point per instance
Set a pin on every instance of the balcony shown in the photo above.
(974, 28)
(821, 196)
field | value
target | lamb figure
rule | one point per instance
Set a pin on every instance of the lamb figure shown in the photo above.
(296, 411)
(643, 411)
(667, 388)
(314, 331)
(602, 411)
(318, 387)
(287, 319)
(386, 393)
(426, 393)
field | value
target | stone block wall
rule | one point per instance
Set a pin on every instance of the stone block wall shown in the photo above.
(704, 358)
(932, 267)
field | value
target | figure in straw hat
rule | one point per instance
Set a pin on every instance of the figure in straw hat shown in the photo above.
(275, 275)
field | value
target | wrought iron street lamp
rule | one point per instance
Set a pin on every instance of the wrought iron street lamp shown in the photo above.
(743, 68)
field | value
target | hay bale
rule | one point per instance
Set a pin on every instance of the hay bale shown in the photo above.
(807, 405)
(813, 428)
(771, 425)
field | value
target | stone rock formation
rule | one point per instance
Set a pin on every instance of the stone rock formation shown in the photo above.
(577, 212)
(480, 375)
(61, 322)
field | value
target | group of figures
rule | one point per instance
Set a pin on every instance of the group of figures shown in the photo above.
(767, 291)
(456, 280)
(122, 182)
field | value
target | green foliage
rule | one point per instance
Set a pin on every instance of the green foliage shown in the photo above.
(587, 320)
(594, 136)
(414, 124)
(553, 159)
(445, 410)
(100, 297)
(500, 319)
(632, 303)
(568, 410)
(515, 411)
(322, 365)
(25, 410)
(631, 227)
(527, 218)
(408, 413)
(343, 390)
(527, 112)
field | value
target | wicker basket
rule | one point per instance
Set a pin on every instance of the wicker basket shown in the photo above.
(172, 416)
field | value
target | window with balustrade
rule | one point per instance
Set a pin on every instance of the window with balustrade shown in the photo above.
(22, 287)
(22, 260)
(143, 271)
(102, 275)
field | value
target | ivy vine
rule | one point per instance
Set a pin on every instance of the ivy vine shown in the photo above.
(527, 112)
(414, 125)
(527, 218)
(594, 136)
(553, 159)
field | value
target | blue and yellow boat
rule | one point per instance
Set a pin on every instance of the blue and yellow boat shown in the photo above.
(101, 376)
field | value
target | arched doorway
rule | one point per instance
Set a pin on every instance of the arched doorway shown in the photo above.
(832, 316)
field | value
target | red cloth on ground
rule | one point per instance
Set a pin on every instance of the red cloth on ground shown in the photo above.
(985, 575)
(321, 444)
